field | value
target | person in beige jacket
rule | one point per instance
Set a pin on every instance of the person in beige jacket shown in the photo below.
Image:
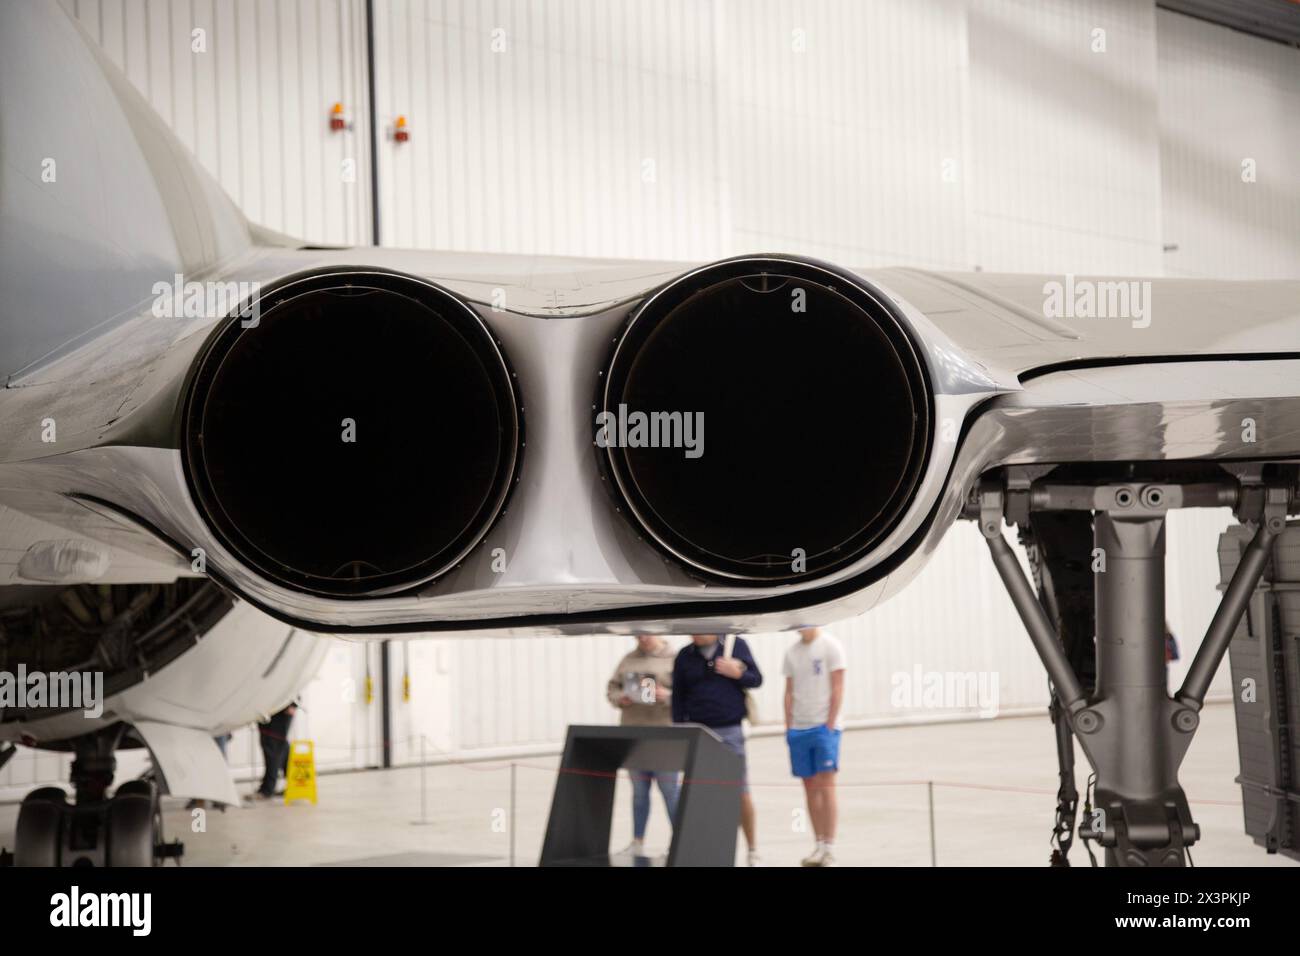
(642, 688)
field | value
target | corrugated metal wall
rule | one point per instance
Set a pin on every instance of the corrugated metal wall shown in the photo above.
(475, 694)
(844, 132)
(566, 128)
(1229, 148)
(947, 133)
(1065, 166)
(251, 94)
(1013, 136)
(498, 693)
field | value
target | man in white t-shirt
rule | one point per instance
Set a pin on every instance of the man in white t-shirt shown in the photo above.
(814, 691)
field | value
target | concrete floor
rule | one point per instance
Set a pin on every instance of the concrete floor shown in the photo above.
(994, 793)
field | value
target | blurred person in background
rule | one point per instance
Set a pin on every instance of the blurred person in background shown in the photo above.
(274, 736)
(814, 693)
(709, 688)
(641, 688)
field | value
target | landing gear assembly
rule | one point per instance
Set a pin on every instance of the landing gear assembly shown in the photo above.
(96, 829)
(1133, 732)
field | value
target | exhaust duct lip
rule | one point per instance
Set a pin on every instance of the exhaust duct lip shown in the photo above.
(446, 312)
(659, 305)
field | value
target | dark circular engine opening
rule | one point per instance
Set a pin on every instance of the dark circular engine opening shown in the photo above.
(810, 413)
(358, 439)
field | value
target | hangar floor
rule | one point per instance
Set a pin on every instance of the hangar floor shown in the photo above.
(994, 786)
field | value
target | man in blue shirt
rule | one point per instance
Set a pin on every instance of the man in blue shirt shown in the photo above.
(709, 688)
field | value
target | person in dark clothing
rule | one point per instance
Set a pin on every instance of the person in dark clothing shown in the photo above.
(274, 734)
(709, 687)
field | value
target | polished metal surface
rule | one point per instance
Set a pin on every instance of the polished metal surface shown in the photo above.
(1203, 371)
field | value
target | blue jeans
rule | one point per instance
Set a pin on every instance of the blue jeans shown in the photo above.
(733, 738)
(668, 786)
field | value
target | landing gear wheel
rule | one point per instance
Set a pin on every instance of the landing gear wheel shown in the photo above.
(134, 825)
(39, 836)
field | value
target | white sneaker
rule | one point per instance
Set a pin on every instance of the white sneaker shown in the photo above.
(815, 858)
(753, 859)
(635, 848)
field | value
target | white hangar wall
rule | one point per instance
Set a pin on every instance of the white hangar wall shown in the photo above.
(250, 94)
(563, 128)
(959, 134)
(953, 134)
(1229, 111)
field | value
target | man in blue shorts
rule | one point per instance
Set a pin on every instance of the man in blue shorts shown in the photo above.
(814, 691)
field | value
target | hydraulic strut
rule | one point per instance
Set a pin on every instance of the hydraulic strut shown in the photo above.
(1132, 731)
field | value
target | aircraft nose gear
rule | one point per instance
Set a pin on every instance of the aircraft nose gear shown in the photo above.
(125, 829)
(1134, 734)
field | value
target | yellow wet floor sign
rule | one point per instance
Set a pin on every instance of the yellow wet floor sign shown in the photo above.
(300, 779)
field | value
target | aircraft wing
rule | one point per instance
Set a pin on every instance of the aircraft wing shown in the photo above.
(374, 440)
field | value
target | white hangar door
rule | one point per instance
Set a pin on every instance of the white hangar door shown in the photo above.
(549, 129)
(250, 86)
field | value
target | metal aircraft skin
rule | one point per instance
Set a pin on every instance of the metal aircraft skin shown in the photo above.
(81, 346)
(147, 437)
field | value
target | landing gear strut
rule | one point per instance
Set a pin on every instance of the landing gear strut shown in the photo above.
(1134, 734)
(96, 830)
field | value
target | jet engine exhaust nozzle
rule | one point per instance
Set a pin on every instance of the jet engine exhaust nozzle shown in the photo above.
(811, 415)
(358, 438)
